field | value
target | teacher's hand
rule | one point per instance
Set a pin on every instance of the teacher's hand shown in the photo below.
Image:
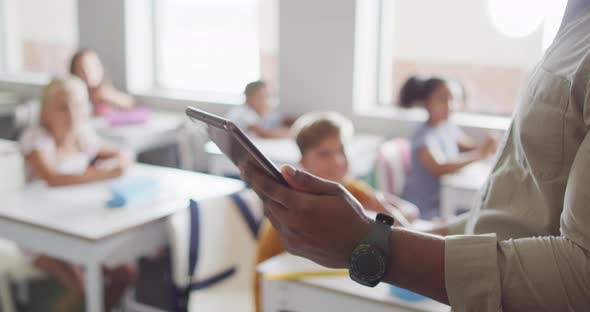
(316, 219)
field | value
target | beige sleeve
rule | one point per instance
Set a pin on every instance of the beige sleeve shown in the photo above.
(528, 274)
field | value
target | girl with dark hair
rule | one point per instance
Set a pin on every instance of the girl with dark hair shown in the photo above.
(438, 146)
(103, 95)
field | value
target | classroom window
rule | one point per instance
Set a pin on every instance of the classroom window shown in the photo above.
(488, 45)
(215, 46)
(38, 36)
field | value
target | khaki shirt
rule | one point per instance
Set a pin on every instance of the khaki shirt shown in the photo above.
(537, 200)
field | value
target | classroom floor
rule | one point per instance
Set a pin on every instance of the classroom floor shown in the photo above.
(152, 288)
(42, 294)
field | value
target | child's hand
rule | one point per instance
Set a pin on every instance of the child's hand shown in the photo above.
(401, 209)
(121, 160)
(125, 159)
(492, 145)
(112, 167)
(115, 172)
(98, 175)
(108, 164)
(489, 147)
(410, 211)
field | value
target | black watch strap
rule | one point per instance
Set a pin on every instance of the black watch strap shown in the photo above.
(380, 233)
(369, 260)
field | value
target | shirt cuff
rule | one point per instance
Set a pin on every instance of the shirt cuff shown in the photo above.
(472, 275)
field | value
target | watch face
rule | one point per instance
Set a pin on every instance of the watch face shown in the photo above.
(367, 264)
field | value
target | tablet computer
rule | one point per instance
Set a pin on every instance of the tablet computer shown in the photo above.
(233, 142)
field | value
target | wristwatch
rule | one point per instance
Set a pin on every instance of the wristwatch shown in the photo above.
(369, 260)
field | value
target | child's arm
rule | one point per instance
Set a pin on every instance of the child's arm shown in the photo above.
(466, 143)
(270, 134)
(438, 168)
(108, 157)
(111, 95)
(107, 152)
(409, 210)
(372, 203)
(288, 121)
(379, 202)
(39, 165)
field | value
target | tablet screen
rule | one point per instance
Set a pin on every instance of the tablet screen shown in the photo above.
(228, 144)
(234, 143)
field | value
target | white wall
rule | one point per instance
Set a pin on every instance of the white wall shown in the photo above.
(52, 21)
(139, 52)
(316, 55)
(268, 26)
(101, 26)
(461, 32)
(4, 35)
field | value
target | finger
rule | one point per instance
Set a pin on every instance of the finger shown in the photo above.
(267, 187)
(306, 182)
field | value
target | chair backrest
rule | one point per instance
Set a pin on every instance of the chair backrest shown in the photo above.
(191, 144)
(12, 166)
(213, 245)
(392, 166)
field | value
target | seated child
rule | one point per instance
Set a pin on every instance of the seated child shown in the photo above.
(321, 138)
(62, 150)
(86, 65)
(439, 147)
(257, 116)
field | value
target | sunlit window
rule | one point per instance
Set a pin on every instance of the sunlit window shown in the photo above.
(517, 18)
(489, 46)
(213, 46)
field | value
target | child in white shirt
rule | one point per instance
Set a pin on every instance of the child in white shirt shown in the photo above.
(257, 116)
(62, 149)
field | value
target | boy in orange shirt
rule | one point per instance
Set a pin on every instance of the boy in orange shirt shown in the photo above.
(321, 139)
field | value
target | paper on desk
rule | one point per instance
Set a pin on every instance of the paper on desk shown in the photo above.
(92, 194)
(133, 191)
(290, 267)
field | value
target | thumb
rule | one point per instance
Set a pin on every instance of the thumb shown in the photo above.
(306, 182)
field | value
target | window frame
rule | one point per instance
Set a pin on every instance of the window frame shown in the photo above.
(10, 51)
(156, 34)
(2, 36)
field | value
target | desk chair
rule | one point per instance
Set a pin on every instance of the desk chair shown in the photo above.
(213, 253)
(392, 166)
(14, 268)
(192, 139)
